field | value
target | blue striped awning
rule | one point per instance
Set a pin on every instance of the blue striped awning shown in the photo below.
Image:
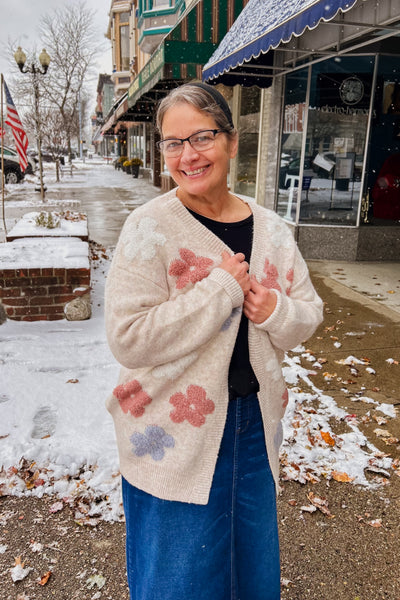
(263, 25)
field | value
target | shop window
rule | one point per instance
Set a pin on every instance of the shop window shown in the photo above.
(291, 143)
(124, 47)
(336, 122)
(248, 128)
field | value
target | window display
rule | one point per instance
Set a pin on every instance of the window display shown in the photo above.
(324, 141)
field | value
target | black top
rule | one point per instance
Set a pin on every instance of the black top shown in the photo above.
(238, 236)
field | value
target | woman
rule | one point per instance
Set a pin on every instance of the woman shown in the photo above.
(204, 295)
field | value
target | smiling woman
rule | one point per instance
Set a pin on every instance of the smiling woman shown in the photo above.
(204, 294)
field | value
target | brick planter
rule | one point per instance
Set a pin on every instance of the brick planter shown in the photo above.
(40, 294)
(39, 277)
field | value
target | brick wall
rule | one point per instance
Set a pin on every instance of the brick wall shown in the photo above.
(40, 294)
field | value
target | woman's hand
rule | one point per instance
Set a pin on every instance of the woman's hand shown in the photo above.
(259, 302)
(238, 268)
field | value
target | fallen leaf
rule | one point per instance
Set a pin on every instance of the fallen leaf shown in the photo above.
(328, 439)
(329, 376)
(97, 580)
(73, 381)
(375, 523)
(391, 440)
(36, 546)
(44, 579)
(392, 361)
(379, 420)
(56, 507)
(391, 292)
(342, 477)
(309, 509)
(18, 573)
(320, 503)
(383, 433)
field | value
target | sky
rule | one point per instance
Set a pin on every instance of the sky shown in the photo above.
(20, 27)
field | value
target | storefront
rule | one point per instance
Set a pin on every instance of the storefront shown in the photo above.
(178, 59)
(327, 153)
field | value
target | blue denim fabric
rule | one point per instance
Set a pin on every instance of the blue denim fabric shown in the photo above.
(226, 550)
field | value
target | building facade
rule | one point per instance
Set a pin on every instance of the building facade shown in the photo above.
(317, 99)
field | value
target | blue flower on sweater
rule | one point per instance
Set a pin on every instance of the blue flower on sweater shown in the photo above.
(226, 324)
(152, 441)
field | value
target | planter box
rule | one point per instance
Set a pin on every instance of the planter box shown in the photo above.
(71, 223)
(38, 277)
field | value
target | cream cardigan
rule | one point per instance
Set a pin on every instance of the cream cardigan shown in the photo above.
(172, 317)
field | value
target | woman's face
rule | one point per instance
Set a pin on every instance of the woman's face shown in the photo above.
(197, 173)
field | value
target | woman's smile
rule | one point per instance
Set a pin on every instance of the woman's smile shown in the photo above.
(194, 172)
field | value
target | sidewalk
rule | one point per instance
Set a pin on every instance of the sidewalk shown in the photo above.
(377, 282)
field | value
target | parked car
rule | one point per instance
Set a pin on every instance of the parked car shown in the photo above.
(386, 190)
(12, 170)
(48, 156)
(292, 167)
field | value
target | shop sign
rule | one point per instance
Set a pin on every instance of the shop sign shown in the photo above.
(294, 118)
(147, 73)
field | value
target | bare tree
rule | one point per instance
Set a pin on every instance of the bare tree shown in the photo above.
(70, 39)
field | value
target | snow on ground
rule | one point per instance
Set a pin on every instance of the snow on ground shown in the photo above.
(57, 438)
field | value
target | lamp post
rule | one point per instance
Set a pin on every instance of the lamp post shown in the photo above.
(35, 71)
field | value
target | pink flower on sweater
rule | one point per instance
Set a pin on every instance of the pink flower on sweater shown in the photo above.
(191, 407)
(190, 269)
(289, 277)
(271, 279)
(132, 398)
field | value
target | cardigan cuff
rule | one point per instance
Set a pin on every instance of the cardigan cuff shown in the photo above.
(275, 319)
(230, 285)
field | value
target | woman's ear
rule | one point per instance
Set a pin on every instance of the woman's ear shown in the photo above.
(233, 145)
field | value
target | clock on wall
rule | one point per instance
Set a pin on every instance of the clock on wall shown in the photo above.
(351, 90)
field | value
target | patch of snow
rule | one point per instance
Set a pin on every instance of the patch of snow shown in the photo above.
(32, 253)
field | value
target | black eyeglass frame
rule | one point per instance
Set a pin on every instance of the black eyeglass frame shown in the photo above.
(182, 140)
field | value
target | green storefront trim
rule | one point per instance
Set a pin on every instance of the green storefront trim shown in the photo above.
(173, 53)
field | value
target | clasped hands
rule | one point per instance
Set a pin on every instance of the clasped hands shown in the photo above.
(259, 302)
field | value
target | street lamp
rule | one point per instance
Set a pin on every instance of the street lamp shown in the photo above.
(44, 59)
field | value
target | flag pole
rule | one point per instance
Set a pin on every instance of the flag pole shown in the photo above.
(2, 161)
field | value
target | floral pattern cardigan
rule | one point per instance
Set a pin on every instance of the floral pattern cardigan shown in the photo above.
(172, 317)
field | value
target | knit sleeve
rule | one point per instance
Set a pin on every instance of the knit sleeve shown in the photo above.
(146, 325)
(298, 311)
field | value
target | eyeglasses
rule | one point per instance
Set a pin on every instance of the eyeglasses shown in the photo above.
(201, 140)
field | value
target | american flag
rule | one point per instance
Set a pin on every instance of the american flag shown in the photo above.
(13, 120)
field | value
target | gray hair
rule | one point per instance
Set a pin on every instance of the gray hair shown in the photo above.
(198, 98)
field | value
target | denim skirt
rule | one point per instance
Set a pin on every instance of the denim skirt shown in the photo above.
(225, 550)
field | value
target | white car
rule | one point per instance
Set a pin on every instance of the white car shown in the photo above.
(12, 170)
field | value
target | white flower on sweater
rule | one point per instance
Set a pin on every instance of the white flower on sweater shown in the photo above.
(142, 239)
(278, 234)
(172, 369)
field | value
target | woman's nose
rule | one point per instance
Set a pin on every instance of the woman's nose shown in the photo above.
(188, 151)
